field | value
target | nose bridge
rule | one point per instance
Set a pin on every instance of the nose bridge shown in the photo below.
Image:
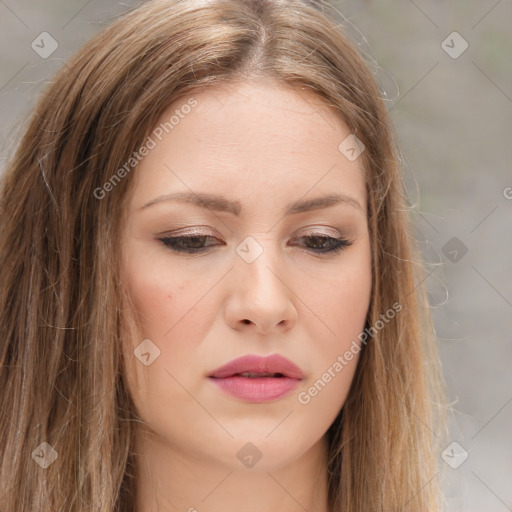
(257, 264)
(260, 294)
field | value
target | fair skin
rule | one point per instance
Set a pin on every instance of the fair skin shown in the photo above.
(265, 146)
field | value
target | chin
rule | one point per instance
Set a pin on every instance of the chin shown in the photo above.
(257, 451)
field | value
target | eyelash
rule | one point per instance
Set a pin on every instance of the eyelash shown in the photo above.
(172, 243)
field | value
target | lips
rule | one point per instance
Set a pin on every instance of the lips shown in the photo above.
(252, 366)
(258, 379)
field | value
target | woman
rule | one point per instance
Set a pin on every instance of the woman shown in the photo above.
(210, 295)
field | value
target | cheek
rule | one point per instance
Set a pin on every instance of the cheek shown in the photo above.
(341, 300)
(157, 296)
(350, 306)
(164, 314)
(345, 304)
(168, 310)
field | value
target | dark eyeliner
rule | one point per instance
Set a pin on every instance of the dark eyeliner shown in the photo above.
(174, 242)
(178, 244)
(337, 244)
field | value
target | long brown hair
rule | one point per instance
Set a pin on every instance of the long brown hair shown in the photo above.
(61, 288)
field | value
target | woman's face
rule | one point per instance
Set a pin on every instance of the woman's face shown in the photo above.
(226, 255)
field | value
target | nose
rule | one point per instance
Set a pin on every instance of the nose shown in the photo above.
(261, 297)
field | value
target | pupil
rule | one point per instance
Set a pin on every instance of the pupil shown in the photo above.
(196, 241)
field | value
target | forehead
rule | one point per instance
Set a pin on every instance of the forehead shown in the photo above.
(258, 137)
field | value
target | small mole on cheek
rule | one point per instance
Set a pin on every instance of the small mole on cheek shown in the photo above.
(180, 288)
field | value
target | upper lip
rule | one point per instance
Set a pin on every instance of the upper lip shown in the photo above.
(274, 363)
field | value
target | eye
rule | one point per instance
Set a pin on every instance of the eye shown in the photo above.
(325, 244)
(194, 244)
(187, 244)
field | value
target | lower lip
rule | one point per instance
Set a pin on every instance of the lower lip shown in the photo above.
(263, 389)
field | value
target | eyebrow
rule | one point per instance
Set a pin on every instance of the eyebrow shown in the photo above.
(222, 204)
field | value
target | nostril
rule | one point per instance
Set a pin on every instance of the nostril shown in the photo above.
(245, 321)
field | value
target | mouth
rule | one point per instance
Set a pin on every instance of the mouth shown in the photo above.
(255, 375)
(254, 366)
(258, 379)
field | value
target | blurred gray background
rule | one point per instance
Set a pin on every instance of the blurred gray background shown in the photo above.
(446, 70)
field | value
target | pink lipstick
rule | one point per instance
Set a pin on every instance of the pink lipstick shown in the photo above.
(254, 378)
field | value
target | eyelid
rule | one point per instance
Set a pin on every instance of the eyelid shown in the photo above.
(195, 231)
(322, 231)
(340, 239)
